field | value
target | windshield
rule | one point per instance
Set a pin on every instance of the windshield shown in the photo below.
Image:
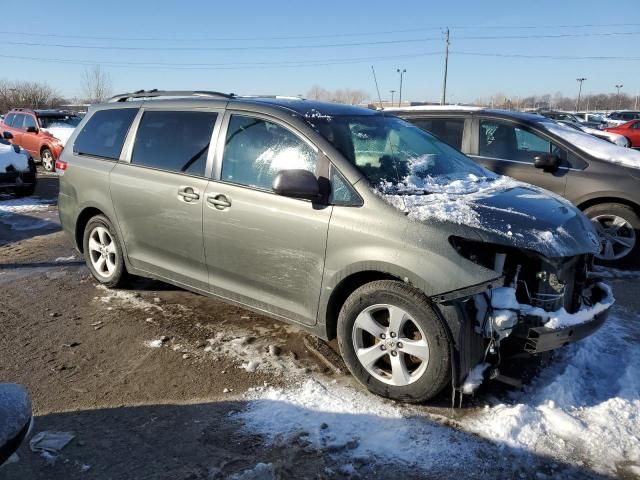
(395, 154)
(62, 121)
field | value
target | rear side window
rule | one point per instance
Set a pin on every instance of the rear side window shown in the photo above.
(449, 130)
(103, 135)
(174, 141)
(256, 150)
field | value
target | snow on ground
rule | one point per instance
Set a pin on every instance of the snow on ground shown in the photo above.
(126, 298)
(16, 212)
(583, 410)
(23, 205)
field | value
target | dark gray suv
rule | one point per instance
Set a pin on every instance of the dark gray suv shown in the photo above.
(346, 221)
(601, 179)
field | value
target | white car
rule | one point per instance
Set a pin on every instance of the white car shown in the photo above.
(614, 138)
(17, 168)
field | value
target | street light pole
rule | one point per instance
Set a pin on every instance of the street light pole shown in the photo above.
(618, 97)
(580, 80)
(392, 92)
(401, 72)
(443, 99)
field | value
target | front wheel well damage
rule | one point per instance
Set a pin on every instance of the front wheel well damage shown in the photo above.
(342, 291)
(84, 217)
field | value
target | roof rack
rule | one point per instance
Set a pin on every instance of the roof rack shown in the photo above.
(169, 93)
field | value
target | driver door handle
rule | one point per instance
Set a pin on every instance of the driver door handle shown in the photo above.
(219, 201)
(188, 194)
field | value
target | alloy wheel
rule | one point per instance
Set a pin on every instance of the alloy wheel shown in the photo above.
(102, 252)
(47, 161)
(390, 345)
(617, 236)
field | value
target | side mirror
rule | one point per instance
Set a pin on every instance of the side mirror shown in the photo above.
(547, 162)
(297, 183)
(32, 129)
(7, 135)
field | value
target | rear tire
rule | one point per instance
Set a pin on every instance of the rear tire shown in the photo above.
(619, 230)
(25, 191)
(378, 325)
(103, 253)
(48, 162)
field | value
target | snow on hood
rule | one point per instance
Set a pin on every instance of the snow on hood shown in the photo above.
(500, 209)
(597, 147)
(12, 156)
(61, 133)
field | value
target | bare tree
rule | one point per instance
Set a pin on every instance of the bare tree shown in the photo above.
(347, 95)
(96, 84)
(19, 94)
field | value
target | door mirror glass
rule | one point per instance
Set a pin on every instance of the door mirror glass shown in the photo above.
(7, 135)
(297, 183)
(547, 162)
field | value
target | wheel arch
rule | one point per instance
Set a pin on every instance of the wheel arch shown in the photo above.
(590, 202)
(83, 218)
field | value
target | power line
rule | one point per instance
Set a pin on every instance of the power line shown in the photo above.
(330, 45)
(551, 57)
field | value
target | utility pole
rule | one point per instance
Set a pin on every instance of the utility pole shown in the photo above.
(618, 97)
(443, 100)
(392, 92)
(401, 72)
(579, 80)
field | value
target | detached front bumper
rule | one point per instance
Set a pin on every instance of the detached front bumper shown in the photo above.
(535, 337)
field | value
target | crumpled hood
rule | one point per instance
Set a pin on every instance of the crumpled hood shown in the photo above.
(506, 212)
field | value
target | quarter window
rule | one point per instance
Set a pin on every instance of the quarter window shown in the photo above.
(174, 141)
(509, 142)
(104, 134)
(256, 150)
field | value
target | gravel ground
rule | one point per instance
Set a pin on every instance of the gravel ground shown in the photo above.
(157, 382)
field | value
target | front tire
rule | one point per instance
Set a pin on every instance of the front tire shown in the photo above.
(48, 162)
(102, 252)
(619, 231)
(393, 342)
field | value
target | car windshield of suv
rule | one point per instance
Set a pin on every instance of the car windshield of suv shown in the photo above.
(396, 155)
(61, 121)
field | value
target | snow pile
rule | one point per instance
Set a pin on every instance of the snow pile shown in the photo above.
(10, 158)
(474, 378)
(353, 423)
(262, 471)
(125, 298)
(24, 205)
(595, 146)
(584, 406)
(153, 343)
(62, 133)
(503, 299)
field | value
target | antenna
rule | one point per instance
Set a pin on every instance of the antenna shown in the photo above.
(378, 89)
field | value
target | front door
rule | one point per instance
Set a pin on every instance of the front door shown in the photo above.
(264, 250)
(509, 148)
(159, 195)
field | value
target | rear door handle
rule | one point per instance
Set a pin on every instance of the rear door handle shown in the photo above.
(219, 201)
(188, 194)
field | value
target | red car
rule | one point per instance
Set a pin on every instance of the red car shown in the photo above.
(42, 133)
(631, 130)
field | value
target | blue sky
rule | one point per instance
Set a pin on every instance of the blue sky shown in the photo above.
(169, 28)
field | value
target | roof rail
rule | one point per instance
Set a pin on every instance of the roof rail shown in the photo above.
(168, 93)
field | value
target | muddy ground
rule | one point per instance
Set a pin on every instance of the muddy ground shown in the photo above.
(149, 378)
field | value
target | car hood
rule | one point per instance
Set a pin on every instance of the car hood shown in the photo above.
(508, 213)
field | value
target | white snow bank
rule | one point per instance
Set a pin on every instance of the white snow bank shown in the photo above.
(353, 423)
(474, 378)
(9, 157)
(61, 133)
(584, 407)
(23, 205)
(504, 298)
(595, 146)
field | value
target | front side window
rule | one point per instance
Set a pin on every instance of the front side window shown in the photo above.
(18, 121)
(104, 134)
(29, 121)
(174, 141)
(449, 130)
(9, 119)
(510, 142)
(395, 154)
(256, 150)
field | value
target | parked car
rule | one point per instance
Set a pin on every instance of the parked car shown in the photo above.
(601, 179)
(629, 130)
(17, 169)
(570, 117)
(43, 133)
(346, 221)
(615, 119)
(596, 119)
(611, 137)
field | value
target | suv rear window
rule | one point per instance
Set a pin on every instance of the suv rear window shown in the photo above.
(174, 141)
(103, 135)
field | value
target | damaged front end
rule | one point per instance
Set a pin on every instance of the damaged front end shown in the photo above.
(541, 304)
